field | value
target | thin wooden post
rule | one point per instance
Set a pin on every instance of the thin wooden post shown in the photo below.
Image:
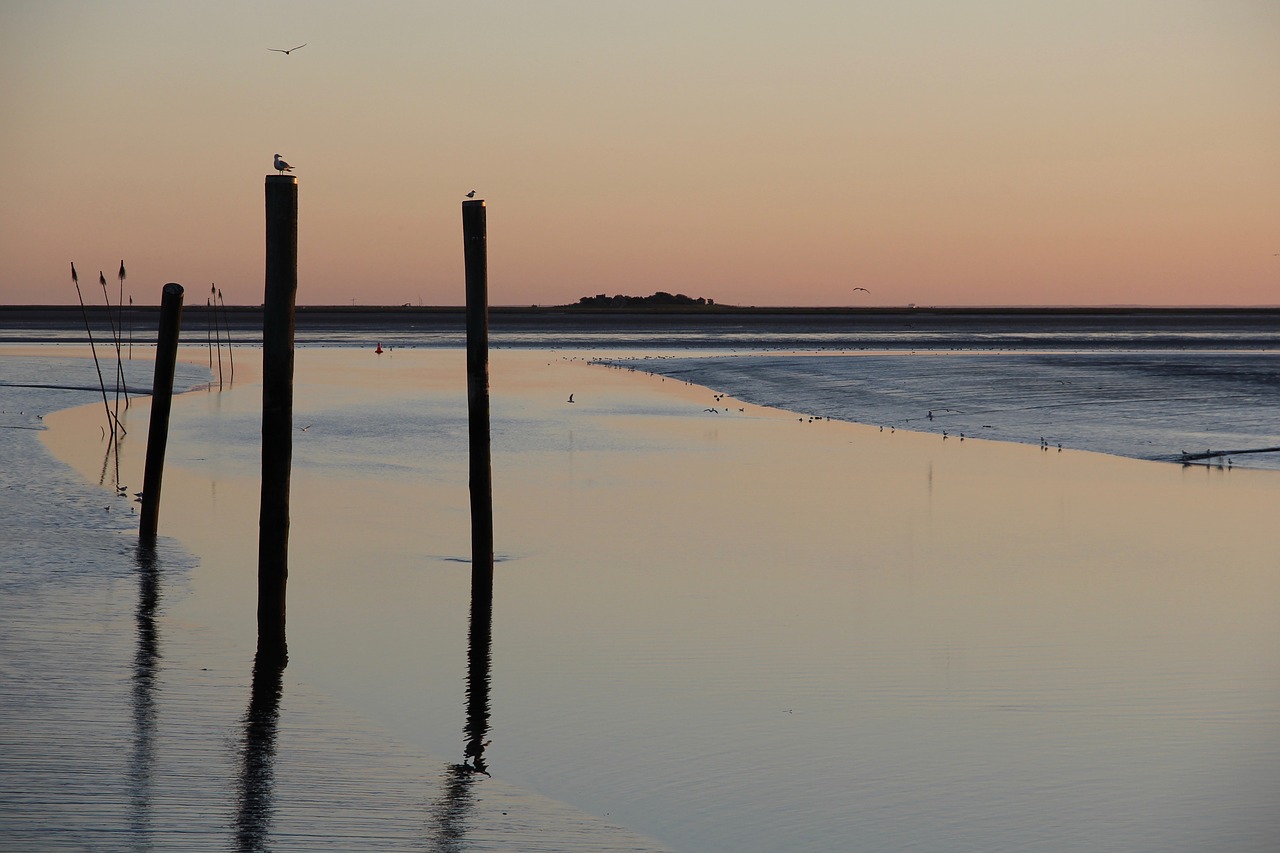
(277, 410)
(476, 264)
(161, 403)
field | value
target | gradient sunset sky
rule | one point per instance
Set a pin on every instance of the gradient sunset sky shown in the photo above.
(937, 152)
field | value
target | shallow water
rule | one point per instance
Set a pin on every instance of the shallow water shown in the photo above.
(757, 633)
(745, 632)
(129, 720)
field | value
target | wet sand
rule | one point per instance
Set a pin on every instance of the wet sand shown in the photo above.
(741, 630)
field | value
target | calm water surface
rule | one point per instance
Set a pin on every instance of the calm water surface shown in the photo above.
(750, 630)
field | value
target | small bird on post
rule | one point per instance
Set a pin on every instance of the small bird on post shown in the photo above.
(471, 194)
(281, 166)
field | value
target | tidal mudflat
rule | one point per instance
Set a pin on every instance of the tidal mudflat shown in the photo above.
(732, 630)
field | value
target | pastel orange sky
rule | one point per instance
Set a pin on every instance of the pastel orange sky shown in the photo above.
(932, 151)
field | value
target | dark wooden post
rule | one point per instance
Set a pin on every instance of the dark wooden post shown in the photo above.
(476, 263)
(161, 404)
(277, 410)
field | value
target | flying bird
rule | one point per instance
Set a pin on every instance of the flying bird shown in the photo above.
(282, 166)
(471, 194)
(863, 289)
(289, 51)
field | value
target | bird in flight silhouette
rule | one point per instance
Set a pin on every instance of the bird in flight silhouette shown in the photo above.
(289, 51)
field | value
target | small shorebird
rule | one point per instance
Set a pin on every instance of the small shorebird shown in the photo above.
(281, 166)
(289, 51)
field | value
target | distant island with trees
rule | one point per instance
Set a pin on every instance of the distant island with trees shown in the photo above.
(661, 299)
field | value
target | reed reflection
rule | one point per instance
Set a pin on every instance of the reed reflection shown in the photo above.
(146, 665)
(255, 795)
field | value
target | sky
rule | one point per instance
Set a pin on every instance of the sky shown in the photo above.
(934, 152)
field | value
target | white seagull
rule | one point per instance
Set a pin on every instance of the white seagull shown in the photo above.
(289, 51)
(282, 166)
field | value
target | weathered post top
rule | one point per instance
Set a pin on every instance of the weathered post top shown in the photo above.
(282, 179)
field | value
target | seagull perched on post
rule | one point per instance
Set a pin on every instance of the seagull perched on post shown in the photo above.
(282, 166)
(471, 194)
(289, 51)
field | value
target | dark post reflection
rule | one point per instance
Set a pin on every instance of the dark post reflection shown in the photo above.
(479, 641)
(145, 668)
(256, 803)
(451, 811)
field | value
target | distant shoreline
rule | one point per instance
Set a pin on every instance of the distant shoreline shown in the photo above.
(718, 325)
(61, 313)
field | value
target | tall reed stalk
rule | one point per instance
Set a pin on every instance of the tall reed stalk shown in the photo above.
(120, 339)
(208, 335)
(93, 349)
(115, 337)
(226, 323)
(217, 332)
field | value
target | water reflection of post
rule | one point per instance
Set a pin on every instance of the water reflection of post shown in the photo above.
(145, 666)
(478, 645)
(451, 811)
(256, 804)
